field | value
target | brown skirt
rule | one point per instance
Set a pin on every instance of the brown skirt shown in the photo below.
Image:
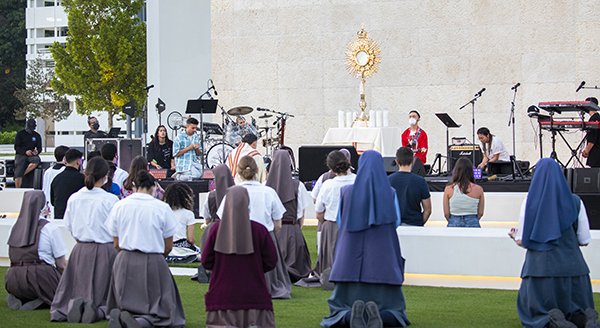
(87, 276)
(143, 285)
(30, 282)
(329, 233)
(278, 280)
(240, 318)
(294, 251)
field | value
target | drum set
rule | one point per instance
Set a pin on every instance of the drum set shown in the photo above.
(221, 139)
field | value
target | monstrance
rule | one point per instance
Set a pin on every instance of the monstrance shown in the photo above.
(362, 61)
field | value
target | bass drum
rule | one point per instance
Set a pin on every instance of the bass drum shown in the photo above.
(217, 154)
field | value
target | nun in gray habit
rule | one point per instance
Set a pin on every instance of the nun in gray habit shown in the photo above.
(223, 180)
(29, 280)
(290, 238)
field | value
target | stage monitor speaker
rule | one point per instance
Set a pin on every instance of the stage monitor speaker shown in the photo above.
(389, 162)
(592, 207)
(499, 168)
(312, 160)
(586, 181)
(457, 152)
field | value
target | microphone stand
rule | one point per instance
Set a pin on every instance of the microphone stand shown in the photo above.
(145, 121)
(472, 102)
(223, 114)
(511, 119)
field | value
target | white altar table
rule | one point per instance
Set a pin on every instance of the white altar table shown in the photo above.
(385, 140)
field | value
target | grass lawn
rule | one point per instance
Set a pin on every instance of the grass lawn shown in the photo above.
(426, 306)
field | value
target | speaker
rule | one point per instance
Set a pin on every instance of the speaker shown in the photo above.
(457, 152)
(389, 162)
(499, 168)
(592, 207)
(312, 160)
(586, 181)
(418, 168)
(127, 149)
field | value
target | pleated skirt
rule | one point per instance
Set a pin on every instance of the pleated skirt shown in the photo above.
(86, 276)
(30, 282)
(143, 285)
(294, 251)
(329, 234)
(538, 295)
(278, 280)
(240, 318)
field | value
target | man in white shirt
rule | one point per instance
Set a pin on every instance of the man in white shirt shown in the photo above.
(109, 153)
(492, 147)
(51, 173)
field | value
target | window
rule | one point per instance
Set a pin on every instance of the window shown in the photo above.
(48, 3)
(64, 31)
(48, 33)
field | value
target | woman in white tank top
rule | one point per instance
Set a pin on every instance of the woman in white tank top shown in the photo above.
(463, 199)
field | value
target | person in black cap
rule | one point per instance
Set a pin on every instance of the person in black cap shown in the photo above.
(247, 147)
(94, 131)
(28, 145)
(592, 148)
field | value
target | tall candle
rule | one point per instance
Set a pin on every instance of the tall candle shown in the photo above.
(379, 118)
(371, 118)
(340, 118)
(348, 119)
(386, 118)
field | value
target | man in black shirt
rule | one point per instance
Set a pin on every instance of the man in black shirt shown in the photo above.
(93, 132)
(28, 144)
(592, 149)
(66, 183)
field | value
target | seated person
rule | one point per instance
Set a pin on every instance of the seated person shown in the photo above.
(94, 131)
(109, 153)
(138, 164)
(492, 147)
(463, 199)
(66, 183)
(28, 145)
(160, 151)
(412, 190)
(37, 257)
(51, 173)
(181, 199)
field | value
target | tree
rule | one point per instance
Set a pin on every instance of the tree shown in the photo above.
(39, 100)
(12, 59)
(104, 61)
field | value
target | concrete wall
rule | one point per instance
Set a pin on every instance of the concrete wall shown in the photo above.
(289, 56)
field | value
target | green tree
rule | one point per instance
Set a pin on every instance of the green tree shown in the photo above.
(38, 98)
(12, 59)
(104, 61)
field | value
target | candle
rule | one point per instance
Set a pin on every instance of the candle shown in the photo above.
(354, 115)
(386, 118)
(340, 118)
(379, 118)
(348, 119)
(372, 118)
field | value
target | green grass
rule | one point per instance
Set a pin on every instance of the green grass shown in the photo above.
(425, 306)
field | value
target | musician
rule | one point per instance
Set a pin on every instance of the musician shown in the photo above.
(414, 137)
(94, 131)
(492, 147)
(247, 147)
(241, 121)
(186, 148)
(592, 148)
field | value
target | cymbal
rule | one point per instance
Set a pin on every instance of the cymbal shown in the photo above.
(265, 116)
(242, 110)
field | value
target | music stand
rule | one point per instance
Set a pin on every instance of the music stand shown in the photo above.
(160, 107)
(201, 106)
(449, 123)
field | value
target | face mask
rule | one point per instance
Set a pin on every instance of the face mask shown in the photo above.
(412, 121)
(96, 126)
(105, 181)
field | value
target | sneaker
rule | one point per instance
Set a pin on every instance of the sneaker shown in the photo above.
(128, 320)
(373, 314)
(114, 321)
(558, 320)
(357, 319)
(74, 315)
(591, 318)
(32, 305)
(13, 302)
(89, 312)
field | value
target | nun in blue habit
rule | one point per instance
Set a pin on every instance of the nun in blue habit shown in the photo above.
(552, 226)
(368, 268)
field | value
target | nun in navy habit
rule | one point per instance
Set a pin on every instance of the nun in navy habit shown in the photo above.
(555, 278)
(368, 281)
(223, 180)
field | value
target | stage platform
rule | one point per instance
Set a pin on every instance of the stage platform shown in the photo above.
(435, 255)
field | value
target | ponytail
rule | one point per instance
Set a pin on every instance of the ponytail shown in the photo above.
(247, 168)
(96, 169)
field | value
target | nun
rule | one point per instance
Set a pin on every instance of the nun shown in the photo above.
(295, 199)
(36, 250)
(266, 209)
(237, 244)
(555, 290)
(223, 180)
(368, 281)
(83, 288)
(142, 290)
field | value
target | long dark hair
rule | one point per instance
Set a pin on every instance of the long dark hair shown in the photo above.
(155, 142)
(179, 195)
(463, 174)
(485, 132)
(138, 164)
(96, 169)
(111, 173)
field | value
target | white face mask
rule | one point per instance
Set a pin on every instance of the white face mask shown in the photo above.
(105, 180)
(412, 121)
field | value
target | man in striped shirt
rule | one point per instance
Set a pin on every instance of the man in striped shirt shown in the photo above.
(247, 147)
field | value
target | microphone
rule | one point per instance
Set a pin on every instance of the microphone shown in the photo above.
(478, 94)
(212, 86)
(262, 109)
(148, 87)
(515, 86)
(580, 86)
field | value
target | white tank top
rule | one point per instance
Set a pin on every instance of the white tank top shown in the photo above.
(461, 204)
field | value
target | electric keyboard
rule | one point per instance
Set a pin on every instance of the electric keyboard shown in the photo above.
(566, 125)
(568, 106)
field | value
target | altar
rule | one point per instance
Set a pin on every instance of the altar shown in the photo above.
(385, 140)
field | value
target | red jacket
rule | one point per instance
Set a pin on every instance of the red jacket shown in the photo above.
(421, 146)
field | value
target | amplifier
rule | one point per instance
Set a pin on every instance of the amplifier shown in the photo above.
(457, 152)
(586, 181)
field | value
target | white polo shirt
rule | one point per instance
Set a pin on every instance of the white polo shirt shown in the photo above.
(86, 214)
(328, 199)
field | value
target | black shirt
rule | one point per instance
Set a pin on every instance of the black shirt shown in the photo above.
(410, 190)
(593, 136)
(25, 141)
(163, 154)
(63, 186)
(90, 135)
